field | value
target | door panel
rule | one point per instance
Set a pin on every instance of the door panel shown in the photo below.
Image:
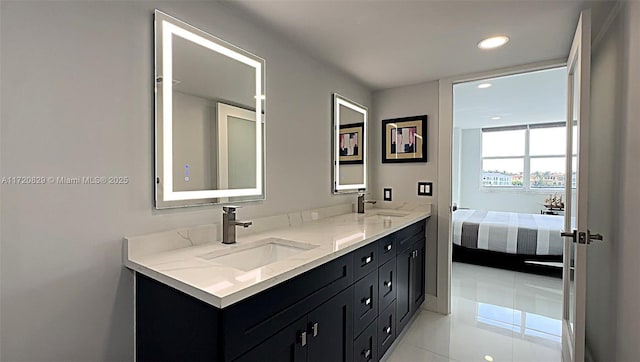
(576, 214)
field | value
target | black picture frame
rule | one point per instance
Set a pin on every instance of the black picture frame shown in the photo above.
(352, 154)
(410, 133)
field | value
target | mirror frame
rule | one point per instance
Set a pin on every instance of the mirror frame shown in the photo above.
(165, 27)
(337, 188)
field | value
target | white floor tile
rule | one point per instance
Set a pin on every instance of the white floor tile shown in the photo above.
(497, 315)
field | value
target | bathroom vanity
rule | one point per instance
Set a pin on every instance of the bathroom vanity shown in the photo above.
(336, 289)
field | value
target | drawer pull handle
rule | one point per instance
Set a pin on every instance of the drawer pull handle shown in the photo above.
(387, 330)
(367, 260)
(366, 301)
(366, 353)
(303, 339)
(387, 247)
(314, 329)
(387, 284)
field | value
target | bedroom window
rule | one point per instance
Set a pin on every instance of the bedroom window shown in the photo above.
(530, 157)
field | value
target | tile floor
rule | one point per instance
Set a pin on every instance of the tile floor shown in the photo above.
(497, 315)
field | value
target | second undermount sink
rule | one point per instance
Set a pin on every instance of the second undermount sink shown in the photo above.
(258, 253)
(388, 214)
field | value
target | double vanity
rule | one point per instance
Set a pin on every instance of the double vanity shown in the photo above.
(339, 288)
(327, 284)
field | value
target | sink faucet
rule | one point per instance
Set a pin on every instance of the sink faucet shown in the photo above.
(229, 224)
(362, 201)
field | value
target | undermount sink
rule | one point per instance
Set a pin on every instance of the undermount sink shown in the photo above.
(258, 253)
(388, 214)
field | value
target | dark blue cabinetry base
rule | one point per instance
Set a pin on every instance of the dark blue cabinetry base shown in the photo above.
(351, 308)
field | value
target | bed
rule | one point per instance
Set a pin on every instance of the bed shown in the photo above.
(507, 232)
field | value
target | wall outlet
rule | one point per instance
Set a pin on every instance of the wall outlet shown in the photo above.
(387, 194)
(425, 188)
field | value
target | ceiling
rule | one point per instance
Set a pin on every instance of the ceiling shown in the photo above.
(535, 97)
(391, 43)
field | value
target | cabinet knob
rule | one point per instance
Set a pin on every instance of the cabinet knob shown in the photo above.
(366, 353)
(387, 330)
(387, 247)
(366, 301)
(366, 260)
(387, 284)
(303, 339)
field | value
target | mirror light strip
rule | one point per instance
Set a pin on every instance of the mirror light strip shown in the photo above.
(168, 29)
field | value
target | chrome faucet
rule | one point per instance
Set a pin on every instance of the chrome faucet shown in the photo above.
(362, 201)
(229, 224)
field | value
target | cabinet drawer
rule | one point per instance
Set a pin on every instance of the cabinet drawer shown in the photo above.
(365, 347)
(407, 236)
(365, 260)
(386, 329)
(365, 302)
(253, 320)
(386, 248)
(386, 285)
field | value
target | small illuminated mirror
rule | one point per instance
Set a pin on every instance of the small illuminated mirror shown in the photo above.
(209, 118)
(349, 145)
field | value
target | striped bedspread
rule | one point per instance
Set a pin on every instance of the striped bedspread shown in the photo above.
(507, 232)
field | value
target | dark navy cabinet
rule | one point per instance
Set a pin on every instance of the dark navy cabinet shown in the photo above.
(349, 309)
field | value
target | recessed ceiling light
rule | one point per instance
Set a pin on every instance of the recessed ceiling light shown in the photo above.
(488, 358)
(484, 85)
(493, 42)
(496, 118)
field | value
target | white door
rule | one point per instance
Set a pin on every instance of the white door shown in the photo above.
(577, 233)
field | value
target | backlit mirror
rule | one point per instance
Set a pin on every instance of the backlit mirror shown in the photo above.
(209, 118)
(349, 145)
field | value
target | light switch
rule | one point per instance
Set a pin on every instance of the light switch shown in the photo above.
(387, 194)
(425, 188)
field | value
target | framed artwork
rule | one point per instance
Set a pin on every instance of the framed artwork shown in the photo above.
(404, 139)
(351, 143)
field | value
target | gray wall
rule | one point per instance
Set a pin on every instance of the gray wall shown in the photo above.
(471, 196)
(628, 245)
(403, 177)
(77, 101)
(606, 107)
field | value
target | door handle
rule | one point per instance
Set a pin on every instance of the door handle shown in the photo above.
(303, 339)
(387, 247)
(387, 284)
(366, 260)
(387, 330)
(366, 301)
(592, 237)
(573, 235)
(314, 329)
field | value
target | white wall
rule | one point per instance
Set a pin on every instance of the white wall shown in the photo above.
(77, 100)
(628, 248)
(403, 177)
(471, 196)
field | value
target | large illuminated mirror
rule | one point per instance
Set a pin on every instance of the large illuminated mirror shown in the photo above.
(209, 118)
(349, 145)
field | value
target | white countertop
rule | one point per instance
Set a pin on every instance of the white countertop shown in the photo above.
(183, 268)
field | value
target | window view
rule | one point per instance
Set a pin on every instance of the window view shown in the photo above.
(537, 151)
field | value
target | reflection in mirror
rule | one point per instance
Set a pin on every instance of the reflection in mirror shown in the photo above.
(349, 145)
(209, 148)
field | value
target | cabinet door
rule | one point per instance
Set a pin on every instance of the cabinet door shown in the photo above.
(386, 329)
(330, 330)
(365, 347)
(386, 285)
(288, 345)
(403, 278)
(417, 276)
(365, 302)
